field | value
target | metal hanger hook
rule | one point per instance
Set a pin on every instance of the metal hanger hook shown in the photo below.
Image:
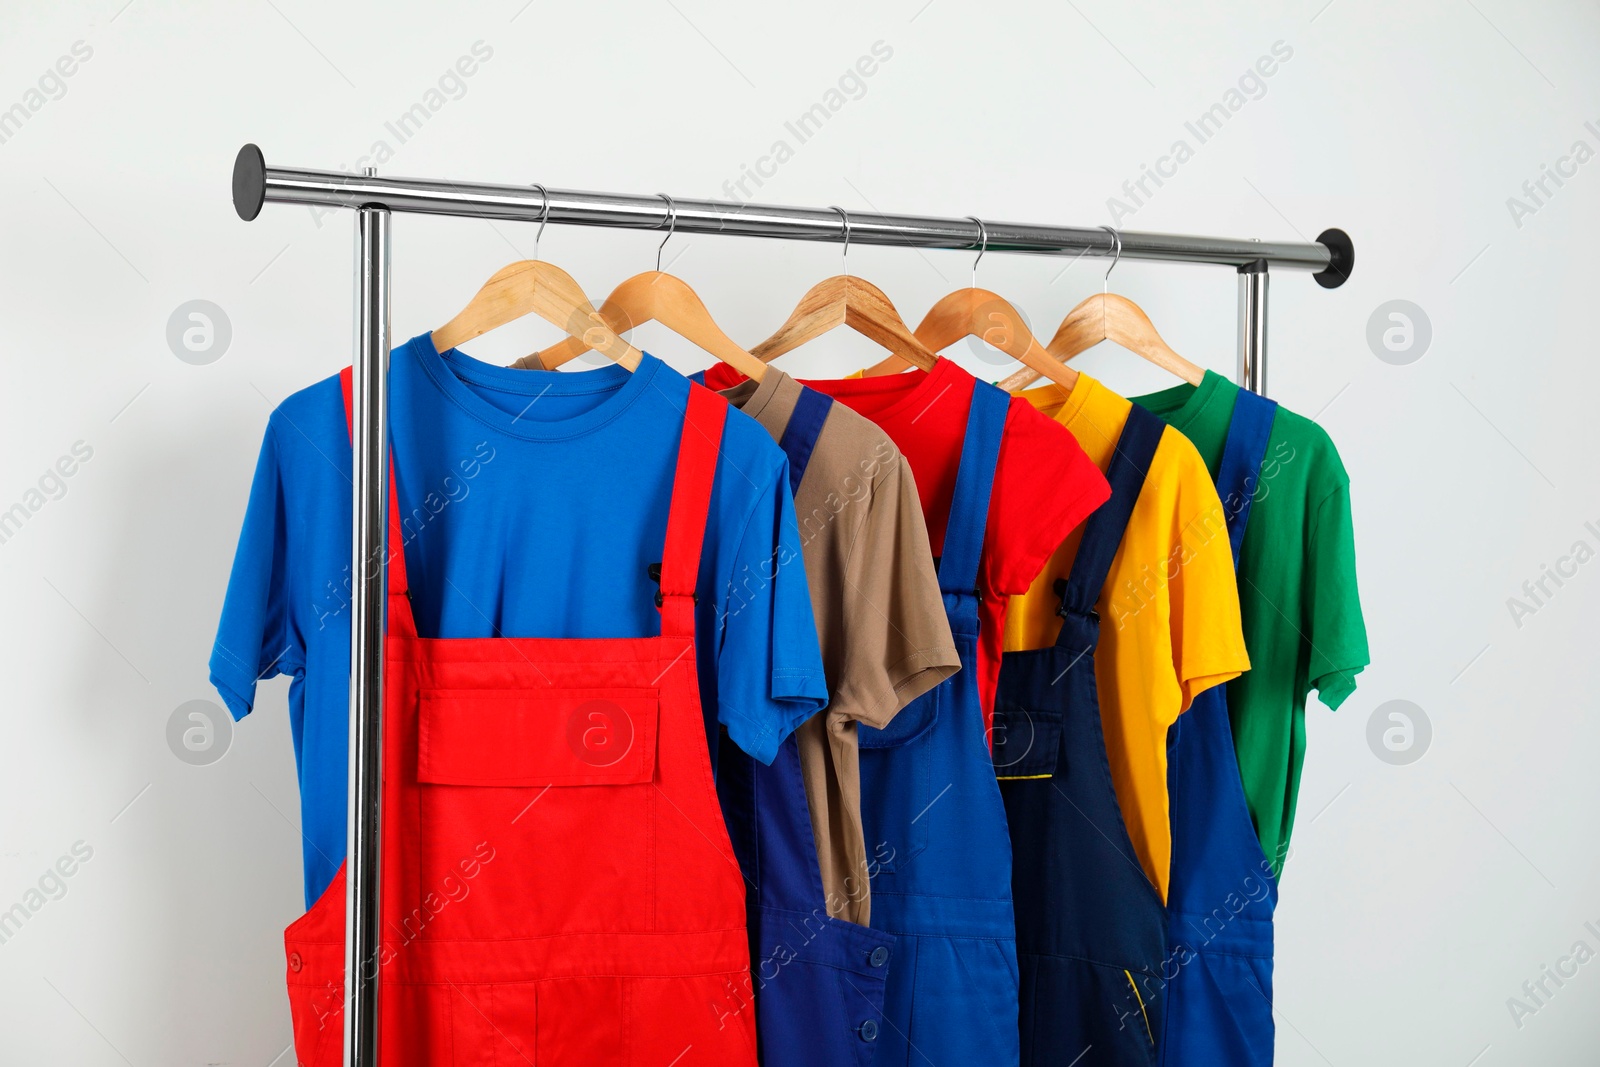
(544, 217)
(672, 227)
(983, 246)
(845, 215)
(1105, 285)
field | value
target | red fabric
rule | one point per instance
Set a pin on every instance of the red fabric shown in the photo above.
(1044, 484)
(703, 421)
(400, 623)
(558, 883)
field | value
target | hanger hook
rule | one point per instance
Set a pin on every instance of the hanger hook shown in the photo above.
(1105, 285)
(544, 217)
(672, 227)
(983, 246)
(845, 215)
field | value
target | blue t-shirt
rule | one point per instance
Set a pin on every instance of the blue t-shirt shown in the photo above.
(533, 503)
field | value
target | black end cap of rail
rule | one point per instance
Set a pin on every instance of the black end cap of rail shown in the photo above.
(249, 182)
(1341, 258)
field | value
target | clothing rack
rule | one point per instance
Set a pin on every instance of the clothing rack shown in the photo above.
(373, 199)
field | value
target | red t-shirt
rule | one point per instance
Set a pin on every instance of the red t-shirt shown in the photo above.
(1044, 485)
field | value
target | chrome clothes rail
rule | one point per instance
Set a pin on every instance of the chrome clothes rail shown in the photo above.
(1330, 258)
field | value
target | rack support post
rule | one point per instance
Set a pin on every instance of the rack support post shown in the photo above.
(1252, 372)
(369, 574)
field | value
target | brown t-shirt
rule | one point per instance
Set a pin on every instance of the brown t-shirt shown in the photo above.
(880, 617)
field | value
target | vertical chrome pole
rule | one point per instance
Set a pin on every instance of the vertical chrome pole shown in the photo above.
(1253, 327)
(370, 488)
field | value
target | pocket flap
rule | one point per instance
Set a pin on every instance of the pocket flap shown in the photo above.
(1027, 741)
(536, 737)
(910, 723)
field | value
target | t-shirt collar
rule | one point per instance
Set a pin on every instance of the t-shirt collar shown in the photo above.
(770, 401)
(1060, 404)
(1184, 407)
(914, 391)
(454, 372)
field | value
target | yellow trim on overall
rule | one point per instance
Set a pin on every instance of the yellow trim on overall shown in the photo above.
(1135, 987)
(1021, 777)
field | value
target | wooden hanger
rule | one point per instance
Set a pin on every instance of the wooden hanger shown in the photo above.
(974, 312)
(654, 296)
(544, 289)
(1109, 317)
(847, 301)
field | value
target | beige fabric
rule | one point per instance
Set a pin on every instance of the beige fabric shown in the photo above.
(880, 617)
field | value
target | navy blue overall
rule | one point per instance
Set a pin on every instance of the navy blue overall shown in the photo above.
(818, 982)
(939, 856)
(1220, 903)
(1091, 928)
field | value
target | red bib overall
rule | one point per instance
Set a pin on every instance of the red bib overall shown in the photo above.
(558, 884)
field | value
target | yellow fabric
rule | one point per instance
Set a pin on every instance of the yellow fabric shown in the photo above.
(1169, 611)
(1142, 1011)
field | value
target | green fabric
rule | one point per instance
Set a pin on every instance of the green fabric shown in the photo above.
(1297, 595)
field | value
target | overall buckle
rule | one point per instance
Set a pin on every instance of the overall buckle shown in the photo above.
(654, 570)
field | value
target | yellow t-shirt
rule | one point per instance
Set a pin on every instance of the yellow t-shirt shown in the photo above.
(1169, 612)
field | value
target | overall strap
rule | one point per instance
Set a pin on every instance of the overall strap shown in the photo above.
(401, 621)
(800, 436)
(698, 447)
(969, 504)
(698, 377)
(1239, 475)
(1102, 533)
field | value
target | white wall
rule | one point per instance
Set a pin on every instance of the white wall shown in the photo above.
(1421, 897)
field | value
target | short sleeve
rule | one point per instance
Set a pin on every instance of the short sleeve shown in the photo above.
(254, 639)
(769, 673)
(894, 641)
(1334, 627)
(1044, 486)
(1202, 589)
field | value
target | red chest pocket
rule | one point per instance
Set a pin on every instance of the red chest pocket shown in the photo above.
(549, 797)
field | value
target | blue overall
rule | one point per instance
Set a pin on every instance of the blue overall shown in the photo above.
(1220, 903)
(939, 856)
(1091, 928)
(818, 982)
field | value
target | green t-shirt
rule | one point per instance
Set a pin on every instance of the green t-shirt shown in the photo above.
(1297, 594)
